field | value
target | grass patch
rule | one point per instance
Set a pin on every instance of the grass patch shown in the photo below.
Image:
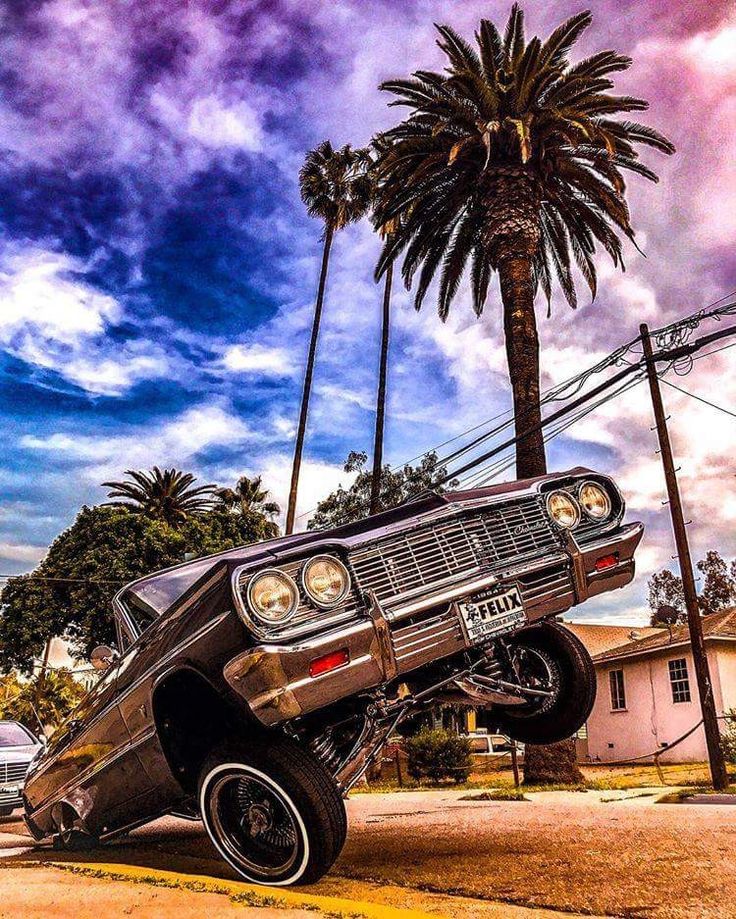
(497, 794)
(244, 898)
(680, 795)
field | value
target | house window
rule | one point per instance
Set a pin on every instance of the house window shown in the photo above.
(679, 680)
(618, 691)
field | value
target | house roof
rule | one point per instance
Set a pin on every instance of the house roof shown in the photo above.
(716, 625)
(601, 638)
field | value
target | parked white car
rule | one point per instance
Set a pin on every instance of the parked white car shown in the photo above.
(484, 744)
(18, 749)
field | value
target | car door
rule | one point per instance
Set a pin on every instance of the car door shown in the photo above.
(85, 763)
(148, 642)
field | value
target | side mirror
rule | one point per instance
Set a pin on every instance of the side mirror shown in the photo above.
(102, 657)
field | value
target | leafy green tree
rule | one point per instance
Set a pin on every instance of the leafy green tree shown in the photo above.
(70, 592)
(43, 702)
(346, 505)
(166, 495)
(337, 189)
(719, 583)
(248, 496)
(511, 160)
(667, 600)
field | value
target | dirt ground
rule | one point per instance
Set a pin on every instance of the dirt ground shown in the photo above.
(598, 853)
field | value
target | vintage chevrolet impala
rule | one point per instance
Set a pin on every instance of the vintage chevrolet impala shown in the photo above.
(255, 687)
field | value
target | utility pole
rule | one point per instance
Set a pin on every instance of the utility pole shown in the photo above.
(718, 772)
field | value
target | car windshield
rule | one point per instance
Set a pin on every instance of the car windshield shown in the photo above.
(14, 735)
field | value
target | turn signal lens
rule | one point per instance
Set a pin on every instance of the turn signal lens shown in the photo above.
(606, 561)
(563, 509)
(594, 501)
(273, 596)
(330, 661)
(326, 580)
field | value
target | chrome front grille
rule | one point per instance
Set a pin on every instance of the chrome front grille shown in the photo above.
(545, 586)
(440, 634)
(457, 547)
(13, 772)
(427, 640)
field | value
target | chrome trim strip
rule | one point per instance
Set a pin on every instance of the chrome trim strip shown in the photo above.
(444, 596)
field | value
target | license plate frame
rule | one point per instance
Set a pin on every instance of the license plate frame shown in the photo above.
(492, 612)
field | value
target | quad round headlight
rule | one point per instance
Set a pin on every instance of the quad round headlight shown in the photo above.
(594, 501)
(273, 596)
(326, 580)
(563, 509)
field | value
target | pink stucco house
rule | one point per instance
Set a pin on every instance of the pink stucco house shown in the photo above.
(647, 694)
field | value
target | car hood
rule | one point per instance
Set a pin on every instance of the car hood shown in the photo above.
(162, 589)
(19, 754)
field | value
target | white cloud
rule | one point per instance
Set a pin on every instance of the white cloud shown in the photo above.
(41, 298)
(173, 444)
(51, 318)
(18, 552)
(316, 481)
(258, 358)
(215, 124)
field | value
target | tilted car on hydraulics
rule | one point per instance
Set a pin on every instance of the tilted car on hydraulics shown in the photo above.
(255, 687)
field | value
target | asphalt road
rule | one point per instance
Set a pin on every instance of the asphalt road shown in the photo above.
(579, 853)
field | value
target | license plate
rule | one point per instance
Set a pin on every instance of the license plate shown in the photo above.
(491, 613)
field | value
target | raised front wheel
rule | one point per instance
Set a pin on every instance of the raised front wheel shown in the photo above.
(549, 659)
(273, 812)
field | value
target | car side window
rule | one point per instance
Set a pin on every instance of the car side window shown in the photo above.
(139, 616)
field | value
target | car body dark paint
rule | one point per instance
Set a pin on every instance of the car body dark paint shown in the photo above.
(108, 763)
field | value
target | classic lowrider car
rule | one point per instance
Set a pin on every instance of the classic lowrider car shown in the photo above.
(255, 687)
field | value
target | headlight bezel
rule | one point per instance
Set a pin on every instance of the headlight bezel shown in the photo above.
(573, 502)
(253, 609)
(333, 559)
(607, 496)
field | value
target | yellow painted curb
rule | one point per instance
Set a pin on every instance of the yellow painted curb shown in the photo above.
(248, 894)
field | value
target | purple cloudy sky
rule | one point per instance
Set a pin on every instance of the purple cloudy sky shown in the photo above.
(157, 268)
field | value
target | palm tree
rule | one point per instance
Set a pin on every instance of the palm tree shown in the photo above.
(42, 702)
(167, 495)
(381, 396)
(336, 188)
(512, 161)
(248, 496)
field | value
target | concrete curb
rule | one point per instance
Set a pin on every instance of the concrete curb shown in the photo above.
(250, 894)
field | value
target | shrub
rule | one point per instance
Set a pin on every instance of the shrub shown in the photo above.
(728, 738)
(437, 755)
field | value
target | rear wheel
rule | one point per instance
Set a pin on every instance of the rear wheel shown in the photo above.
(549, 658)
(273, 812)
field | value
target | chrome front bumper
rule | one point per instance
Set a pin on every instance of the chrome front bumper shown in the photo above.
(275, 679)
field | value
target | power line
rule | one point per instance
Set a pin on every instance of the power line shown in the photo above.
(699, 398)
(492, 470)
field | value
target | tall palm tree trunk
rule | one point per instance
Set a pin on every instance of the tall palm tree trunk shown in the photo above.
(381, 399)
(522, 353)
(291, 510)
(554, 763)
